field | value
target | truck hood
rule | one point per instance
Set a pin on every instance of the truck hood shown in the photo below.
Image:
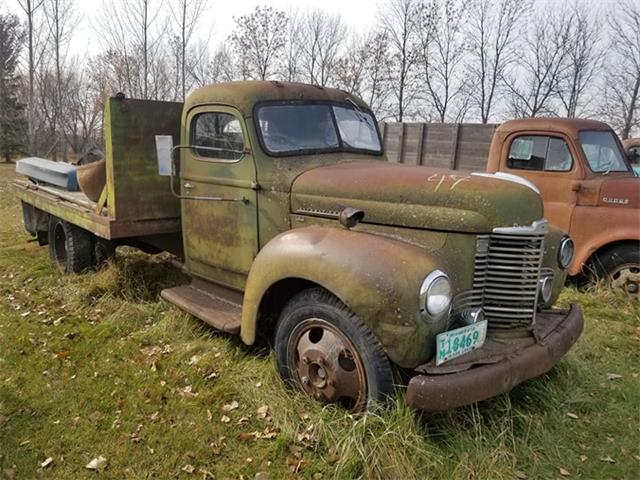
(620, 192)
(417, 197)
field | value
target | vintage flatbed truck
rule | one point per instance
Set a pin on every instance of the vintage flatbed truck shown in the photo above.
(293, 226)
(588, 188)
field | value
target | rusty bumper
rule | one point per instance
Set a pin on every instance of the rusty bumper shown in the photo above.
(499, 373)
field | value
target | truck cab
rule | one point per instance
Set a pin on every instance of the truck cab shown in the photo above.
(588, 188)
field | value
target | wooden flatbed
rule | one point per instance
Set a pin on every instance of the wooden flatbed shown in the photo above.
(76, 208)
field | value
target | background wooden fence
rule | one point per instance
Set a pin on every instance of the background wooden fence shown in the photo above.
(446, 145)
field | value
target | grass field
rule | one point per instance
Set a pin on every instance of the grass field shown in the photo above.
(96, 365)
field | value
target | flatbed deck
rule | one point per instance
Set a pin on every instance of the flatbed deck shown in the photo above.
(79, 210)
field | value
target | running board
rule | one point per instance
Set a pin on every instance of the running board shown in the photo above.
(215, 305)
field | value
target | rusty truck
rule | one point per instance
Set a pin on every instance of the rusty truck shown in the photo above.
(579, 166)
(294, 228)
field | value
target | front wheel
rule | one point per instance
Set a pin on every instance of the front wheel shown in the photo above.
(620, 266)
(326, 351)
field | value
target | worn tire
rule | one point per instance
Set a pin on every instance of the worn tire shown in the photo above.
(103, 251)
(314, 315)
(70, 247)
(620, 268)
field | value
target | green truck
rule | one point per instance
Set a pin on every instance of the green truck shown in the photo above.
(364, 274)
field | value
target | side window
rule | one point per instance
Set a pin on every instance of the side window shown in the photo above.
(528, 153)
(540, 153)
(559, 157)
(219, 136)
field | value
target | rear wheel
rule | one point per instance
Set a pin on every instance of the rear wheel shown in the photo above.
(620, 267)
(326, 351)
(70, 247)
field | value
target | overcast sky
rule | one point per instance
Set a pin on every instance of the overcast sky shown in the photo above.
(218, 18)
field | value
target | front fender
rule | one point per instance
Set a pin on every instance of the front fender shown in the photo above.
(378, 278)
(595, 227)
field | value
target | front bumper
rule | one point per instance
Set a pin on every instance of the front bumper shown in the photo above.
(498, 366)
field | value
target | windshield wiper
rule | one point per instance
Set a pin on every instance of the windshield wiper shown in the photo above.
(352, 102)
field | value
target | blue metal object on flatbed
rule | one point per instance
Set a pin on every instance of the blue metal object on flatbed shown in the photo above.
(54, 173)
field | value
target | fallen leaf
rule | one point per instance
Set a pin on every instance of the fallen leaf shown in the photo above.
(194, 359)
(211, 376)
(209, 415)
(97, 463)
(521, 475)
(607, 459)
(263, 411)
(583, 458)
(230, 406)
(187, 391)
(261, 476)
(564, 473)
(572, 415)
(47, 462)
(243, 420)
(613, 376)
(188, 468)
(225, 419)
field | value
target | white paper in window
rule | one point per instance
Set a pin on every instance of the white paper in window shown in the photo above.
(164, 145)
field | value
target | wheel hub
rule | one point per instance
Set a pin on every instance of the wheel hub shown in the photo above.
(627, 278)
(327, 365)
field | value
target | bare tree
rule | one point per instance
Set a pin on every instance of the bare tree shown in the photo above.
(260, 38)
(399, 22)
(584, 59)
(60, 19)
(34, 54)
(291, 68)
(442, 50)
(542, 65)
(492, 34)
(185, 14)
(361, 70)
(621, 89)
(322, 37)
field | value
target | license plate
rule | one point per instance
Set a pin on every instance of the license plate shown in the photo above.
(462, 340)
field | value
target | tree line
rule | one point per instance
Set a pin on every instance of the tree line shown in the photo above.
(423, 60)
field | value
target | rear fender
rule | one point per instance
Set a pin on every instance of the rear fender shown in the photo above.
(376, 277)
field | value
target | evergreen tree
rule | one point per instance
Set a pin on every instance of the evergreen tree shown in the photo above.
(12, 114)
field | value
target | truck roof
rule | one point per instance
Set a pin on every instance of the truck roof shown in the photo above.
(244, 95)
(568, 126)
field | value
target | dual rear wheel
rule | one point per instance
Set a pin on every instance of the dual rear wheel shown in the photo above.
(73, 249)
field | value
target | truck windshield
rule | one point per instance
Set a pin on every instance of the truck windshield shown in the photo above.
(311, 128)
(602, 151)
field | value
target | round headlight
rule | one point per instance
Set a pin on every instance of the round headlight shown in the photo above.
(565, 252)
(435, 294)
(546, 289)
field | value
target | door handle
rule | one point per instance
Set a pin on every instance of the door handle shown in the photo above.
(576, 186)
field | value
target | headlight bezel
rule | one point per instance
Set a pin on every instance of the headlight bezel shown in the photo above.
(565, 243)
(432, 280)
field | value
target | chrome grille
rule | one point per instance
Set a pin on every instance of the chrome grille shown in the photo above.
(507, 270)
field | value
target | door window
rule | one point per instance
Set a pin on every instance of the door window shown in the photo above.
(217, 135)
(536, 152)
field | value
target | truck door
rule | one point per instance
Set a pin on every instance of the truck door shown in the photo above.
(548, 162)
(219, 205)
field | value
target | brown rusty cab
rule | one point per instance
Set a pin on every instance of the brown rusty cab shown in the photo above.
(296, 229)
(587, 186)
